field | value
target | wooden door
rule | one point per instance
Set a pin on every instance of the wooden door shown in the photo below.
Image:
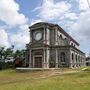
(38, 62)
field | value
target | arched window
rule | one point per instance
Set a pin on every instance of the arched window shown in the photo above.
(60, 36)
(72, 56)
(62, 57)
(76, 58)
(79, 60)
(65, 38)
(72, 44)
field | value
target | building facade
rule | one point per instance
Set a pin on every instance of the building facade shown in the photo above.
(51, 47)
(88, 61)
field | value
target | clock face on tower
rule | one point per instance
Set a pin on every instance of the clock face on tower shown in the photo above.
(37, 35)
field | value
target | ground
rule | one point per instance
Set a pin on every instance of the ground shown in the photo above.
(63, 79)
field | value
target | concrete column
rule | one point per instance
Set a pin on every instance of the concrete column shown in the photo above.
(26, 57)
(74, 59)
(44, 63)
(47, 57)
(80, 60)
(84, 61)
(56, 41)
(56, 58)
(30, 59)
(48, 36)
(44, 36)
(77, 60)
(71, 63)
(30, 37)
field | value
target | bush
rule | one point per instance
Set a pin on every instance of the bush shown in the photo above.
(4, 65)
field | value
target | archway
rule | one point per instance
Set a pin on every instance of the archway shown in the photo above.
(62, 57)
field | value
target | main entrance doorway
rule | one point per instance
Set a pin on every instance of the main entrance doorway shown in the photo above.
(37, 62)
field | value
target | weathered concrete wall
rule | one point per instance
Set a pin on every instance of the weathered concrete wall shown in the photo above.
(78, 58)
(52, 44)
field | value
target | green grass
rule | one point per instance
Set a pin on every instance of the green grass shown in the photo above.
(41, 80)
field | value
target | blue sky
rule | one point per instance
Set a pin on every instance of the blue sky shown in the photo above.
(17, 15)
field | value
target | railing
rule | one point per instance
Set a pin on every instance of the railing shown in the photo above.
(63, 42)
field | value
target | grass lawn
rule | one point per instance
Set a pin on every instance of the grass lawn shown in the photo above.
(44, 80)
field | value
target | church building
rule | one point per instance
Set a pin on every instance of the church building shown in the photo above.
(51, 47)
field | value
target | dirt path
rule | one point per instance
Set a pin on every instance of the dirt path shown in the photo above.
(34, 76)
(57, 73)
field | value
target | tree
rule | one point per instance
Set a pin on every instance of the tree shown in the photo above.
(1, 52)
(6, 52)
(17, 53)
(12, 47)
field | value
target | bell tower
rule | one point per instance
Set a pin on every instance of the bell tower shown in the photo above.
(39, 50)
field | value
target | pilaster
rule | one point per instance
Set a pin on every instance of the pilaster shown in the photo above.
(56, 58)
(30, 58)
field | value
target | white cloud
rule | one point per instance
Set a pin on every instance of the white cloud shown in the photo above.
(9, 13)
(57, 12)
(36, 21)
(81, 28)
(84, 4)
(76, 19)
(21, 38)
(61, 12)
(51, 10)
(71, 16)
(3, 38)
